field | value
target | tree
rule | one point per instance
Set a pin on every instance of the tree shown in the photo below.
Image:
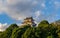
(0, 32)
(7, 33)
(43, 24)
(27, 33)
(18, 32)
(37, 32)
(44, 30)
(52, 31)
(31, 33)
(58, 31)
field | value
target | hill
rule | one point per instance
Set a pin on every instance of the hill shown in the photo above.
(43, 30)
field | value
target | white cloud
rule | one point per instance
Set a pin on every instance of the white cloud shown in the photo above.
(18, 9)
(37, 13)
(3, 26)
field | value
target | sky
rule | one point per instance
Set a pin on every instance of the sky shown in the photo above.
(14, 11)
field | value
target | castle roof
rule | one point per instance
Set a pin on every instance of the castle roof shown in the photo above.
(29, 18)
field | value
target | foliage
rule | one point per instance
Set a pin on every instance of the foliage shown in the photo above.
(7, 33)
(18, 32)
(0, 32)
(43, 24)
(43, 30)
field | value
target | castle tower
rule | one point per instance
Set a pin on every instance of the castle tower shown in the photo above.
(29, 21)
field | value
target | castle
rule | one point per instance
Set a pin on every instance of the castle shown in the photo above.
(29, 21)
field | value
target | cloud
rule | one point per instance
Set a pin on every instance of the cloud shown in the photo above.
(37, 13)
(3, 26)
(18, 9)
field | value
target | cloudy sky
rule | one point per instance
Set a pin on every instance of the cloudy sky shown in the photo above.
(14, 11)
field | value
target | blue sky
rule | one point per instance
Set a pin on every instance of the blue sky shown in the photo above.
(14, 11)
(4, 18)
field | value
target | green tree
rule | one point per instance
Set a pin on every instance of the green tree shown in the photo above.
(44, 30)
(31, 33)
(52, 31)
(58, 31)
(38, 32)
(27, 33)
(18, 32)
(0, 32)
(7, 33)
(43, 24)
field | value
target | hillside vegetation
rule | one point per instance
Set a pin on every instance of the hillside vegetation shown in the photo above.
(43, 30)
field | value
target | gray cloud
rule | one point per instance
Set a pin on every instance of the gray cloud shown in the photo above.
(19, 9)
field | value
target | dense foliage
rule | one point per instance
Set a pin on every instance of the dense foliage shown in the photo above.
(43, 30)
